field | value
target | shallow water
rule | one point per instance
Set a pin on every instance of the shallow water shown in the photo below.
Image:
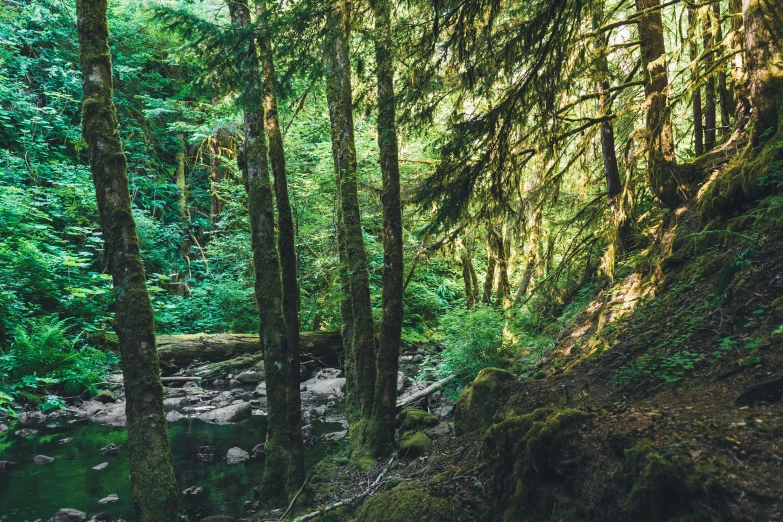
(29, 491)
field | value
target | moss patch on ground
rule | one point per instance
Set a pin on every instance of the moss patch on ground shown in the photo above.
(408, 505)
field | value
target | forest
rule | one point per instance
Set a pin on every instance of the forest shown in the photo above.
(391, 260)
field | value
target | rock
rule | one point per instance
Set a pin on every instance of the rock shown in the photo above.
(768, 391)
(111, 499)
(5, 465)
(233, 384)
(260, 390)
(105, 397)
(402, 381)
(174, 416)
(481, 399)
(337, 435)
(42, 459)
(325, 382)
(100, 517)
(250, 377)
(258, 452)
(79, 422)
(307, 431)
(110, 449)
(31, 418)
(190, 385)
(413, 419)
(69, 515)
(102, 465)
(205, 454)
(219, 383)
(193, 491)
(415, 444)
(25, 432)
(408, 504)
(320, 411)
(174, 403)
(228, 414)
(237, 456)
(3, 428)
(110, 414)
(66, 440)
(441, 430)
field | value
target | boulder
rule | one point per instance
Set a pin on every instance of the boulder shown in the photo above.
(174, 416)
(237, 456)
(105, 397)
(250, 377)
(5, 465)
(110, 499)
(31, 418)
(417, 419)
(402, 381)
(415, 444)
(42, 459)
(69, 515)
(326, 382)
(228, 414)
(260, 390)
(441, 430)
(481, 399)
(100, 517)
(259, 452)
(404, 505)
(25, 432)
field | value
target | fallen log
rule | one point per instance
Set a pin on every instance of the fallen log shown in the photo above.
(180, 351)
(419, 395)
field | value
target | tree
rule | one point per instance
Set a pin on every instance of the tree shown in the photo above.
(268, 290)
(381, 438)
(153, 483)
(287, 247)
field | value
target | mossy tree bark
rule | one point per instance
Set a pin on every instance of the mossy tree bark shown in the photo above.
(693, 50)
(504, 287)
(661, 166)
(153, 484)
(288, 260)
(710, 107)
(532, 257)
(354, 272)
(489, 279)
(380, 438)
(268, 288)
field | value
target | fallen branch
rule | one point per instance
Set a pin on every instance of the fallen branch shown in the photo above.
(426, 392)
(351, 500)
(180, 379)
(295, 497)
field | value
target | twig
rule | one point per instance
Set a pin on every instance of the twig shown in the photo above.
(295, 496)
(351, 500)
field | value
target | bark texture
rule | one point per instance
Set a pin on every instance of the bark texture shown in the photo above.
(153, 484)
(286, 245)
(661, 167)
(693, 49)
(266, 264)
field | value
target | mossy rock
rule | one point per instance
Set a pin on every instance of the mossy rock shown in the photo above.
(415, 444)
(409, 505)
(481, 399)
(417, 419)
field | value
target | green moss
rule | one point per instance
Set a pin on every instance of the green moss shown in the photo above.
(415, 444)
(481, 399)
(526, 450)
(409, 505)
(417, 419)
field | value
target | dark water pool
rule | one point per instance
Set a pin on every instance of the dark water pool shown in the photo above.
(29, 492)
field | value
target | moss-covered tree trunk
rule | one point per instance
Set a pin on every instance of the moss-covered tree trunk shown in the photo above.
(693, 50)
(286, 245)
(467, 276)
(355, 275)
(710, 107)
(489, 278)
(268, 288)
(763, 22)
(661, 166)
(504, 287)
(532, 257)
(153, 484)
(380, 438)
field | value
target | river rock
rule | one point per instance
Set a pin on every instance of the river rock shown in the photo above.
(112, 414)
(193, 491)
(25, 432)
(100, 517)
(441, 430)
(66, 440)
(402, 381)
(228, 414)
(174, 416)
(110, 449)
(174, 403)
(69, 515)
(111, 499)
(42, 459)
(250, 377)
(325, 382)
(31, 418)
(260, 390)
(5, 465)
(205, 454)
(258, 451)
(237, 456)
(105, 397)
(102, 465)
(3, 428)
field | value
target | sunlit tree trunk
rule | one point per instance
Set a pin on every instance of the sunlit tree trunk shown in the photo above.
(489, 279)
(532, 257)
(268, 289)
(661, 167)
(355, 279)
(724, 96)
(153, 485)
(504, 288)
(287, 247)
(214, 176)
(710, 119)
(693, 47)
(380, 438)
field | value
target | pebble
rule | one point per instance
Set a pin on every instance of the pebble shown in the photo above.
(111, 499)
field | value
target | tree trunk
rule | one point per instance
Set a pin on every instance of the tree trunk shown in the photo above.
(466, 277)
(268, 289)
(532, 257)
(741, 102)
(355, 281)
(724, 96)
(763, 21)
(658, 121)
(214, 176)
(698, 129)
(180, 180)
(380, 439)
(710, 120)
(504, 288)
(489, 279)
(153, 485)
(287, 247)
